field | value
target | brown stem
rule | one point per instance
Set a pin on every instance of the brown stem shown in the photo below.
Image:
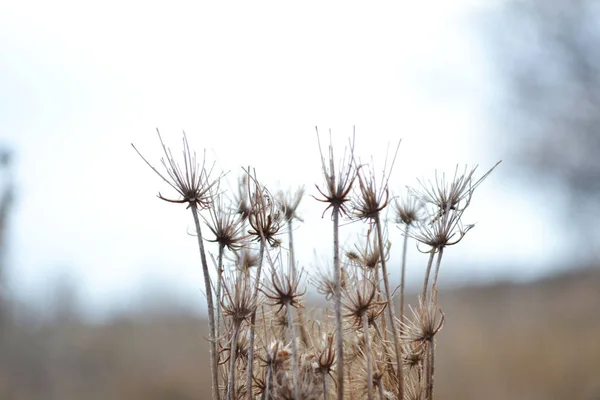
(253, 321)
(211, 310)
(338, 303)
(219, 287)
(232, 359)
(365, 323)
(431, 365)
(292, 329)
(391, 312)
(402, 278)
(427, 272)
(437, 268)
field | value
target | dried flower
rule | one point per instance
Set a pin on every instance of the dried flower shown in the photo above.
(193, 183)
(455, 195)
(228, 229)
(337, 186)
(265, 215)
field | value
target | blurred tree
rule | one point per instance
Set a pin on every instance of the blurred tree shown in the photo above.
(549, 52)
(6, 197)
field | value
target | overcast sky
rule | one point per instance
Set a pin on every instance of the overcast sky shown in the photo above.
(248, 81)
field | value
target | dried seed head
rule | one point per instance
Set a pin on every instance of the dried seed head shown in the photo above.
(427, 320)
(358, 300)
(228, 229)
(447, 230)
(367, 255)
(325, 353)
(337, 185)
(291, 201)
(408, 209)
(455, 195)
(192, 182)
(265, 215)
(413, 355)
(372, 197)
(245, 259)
(242, 200)
(238, 302)
(284, 287)
(323, 281)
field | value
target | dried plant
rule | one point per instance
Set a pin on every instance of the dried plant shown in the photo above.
(336, 194)
(371, 199)
(261, 354)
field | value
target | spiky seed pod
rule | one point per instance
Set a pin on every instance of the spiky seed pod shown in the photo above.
(337, 185)
(192, 183)
(225, 226)
(245, 259)
(413, 355)
(408, 209)
(323, 281)
(358, 300)
(284, 288)
(368, 255)
(427, 320)
(325, 354)
(241, 199)
(265, 215)
(455, 195)
(370, 199)
(444, 231)
(291, 201)
(238, 303)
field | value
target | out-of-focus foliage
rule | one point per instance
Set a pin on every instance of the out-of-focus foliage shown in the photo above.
(548, 52)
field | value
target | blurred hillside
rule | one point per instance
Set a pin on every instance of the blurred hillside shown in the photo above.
(502, 341)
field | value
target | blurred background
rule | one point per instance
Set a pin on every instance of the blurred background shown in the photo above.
(100, 284)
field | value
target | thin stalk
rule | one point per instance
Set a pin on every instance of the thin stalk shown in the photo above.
(303, 333)
(325, 387)
(268, 384)
(431, 365)
(338, 303)
(427, 272)
(380, 387)
(291, 247)
(211, 309)
(437, 268)
(232, 359)
(219, 287)
(365, 323)
(253, 321)
(288, 310)
(391, 312)
(402, 278)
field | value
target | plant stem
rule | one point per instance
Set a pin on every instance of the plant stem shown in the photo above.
(211, 310)
(402, 278)
(232, 359)
(427, 272)
(338, 303)
(437, 268)
(380, 387)
(325, 386)
(300, 314)
(253, 320)
(391, 312)
(365, 323)
(219, 287)
(288, 310)
(429, 392)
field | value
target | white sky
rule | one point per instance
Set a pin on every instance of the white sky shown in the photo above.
(248, 81)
